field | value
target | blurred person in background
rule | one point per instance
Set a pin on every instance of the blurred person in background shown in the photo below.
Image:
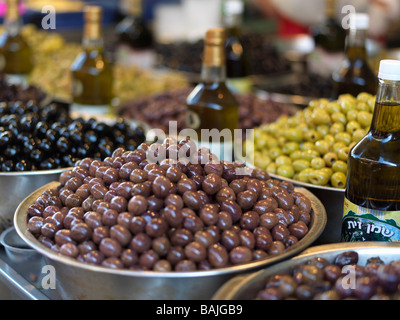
(295, 17)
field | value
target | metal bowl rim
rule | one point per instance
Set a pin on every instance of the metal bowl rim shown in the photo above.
(20, 223)
(34, 172)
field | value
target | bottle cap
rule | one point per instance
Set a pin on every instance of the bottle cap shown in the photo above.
(389, 70)
(93, 13)
(216, 36)
(359, 21)
(234, 6)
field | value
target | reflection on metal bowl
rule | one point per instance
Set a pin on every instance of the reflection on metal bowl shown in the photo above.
(77, 280)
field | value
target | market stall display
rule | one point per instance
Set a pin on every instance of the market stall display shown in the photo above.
(124, 213)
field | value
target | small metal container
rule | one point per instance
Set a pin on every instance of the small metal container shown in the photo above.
(245, 287)
(16, 186)
(16, 248)
(77, 280)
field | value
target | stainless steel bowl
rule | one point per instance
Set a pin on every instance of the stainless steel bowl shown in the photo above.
(16, 249)
(16, 186)
(245, 287)
(77, 280)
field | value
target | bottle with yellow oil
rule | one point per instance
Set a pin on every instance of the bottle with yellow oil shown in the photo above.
(211, 105)
(372, 195)
(91, 71)
(16, 58)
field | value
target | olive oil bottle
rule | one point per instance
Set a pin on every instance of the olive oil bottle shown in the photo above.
(91, 71)
(329, 37)
(135, 39)
(372, 195)
(211, 105)
(237, 56)
(355, 75)
(16, 58)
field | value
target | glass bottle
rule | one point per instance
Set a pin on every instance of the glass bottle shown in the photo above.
(135, 39)
(329, 38)
(355, 75)
(237, 57)
(211, 104)
(16, 58)
(372, 195)
(92, 73)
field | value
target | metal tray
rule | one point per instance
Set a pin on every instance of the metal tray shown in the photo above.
(245, 287)
(77, 280)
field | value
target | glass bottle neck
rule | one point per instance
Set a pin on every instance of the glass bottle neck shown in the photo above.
(214, 64)
(356, 44)
(386, 117)
(92, 37)
(12, 19)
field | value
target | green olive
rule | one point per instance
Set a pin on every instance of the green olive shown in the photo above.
(338, 179)
(307, 146)
(352, 126)
(333, 107)
(323, 129)
(343, 154)
(330, 139)
(336, 128)
(339, 165)
(300, 164)
(320, 116)
(322, 146)
(312, 135)
(271, 168)
(319, 177)
(330, 158)
(337, 146)
(283, 160)
(262, 161)
(297, 154)
(290, 147)
(358, 135)
(339, 117)
(343, 137)
(309, 154)
(351, 115)
(275, 152)
(294, 134)
(304, 174)
(285, 170)
(317, 163)
(364, 118)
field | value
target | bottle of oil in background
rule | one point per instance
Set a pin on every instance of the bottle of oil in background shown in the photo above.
(16, 58)
(372, 195)
(211, 105)
(135, 39)
(92, 73)
(329, 37)
(355, 75)
(237, 55)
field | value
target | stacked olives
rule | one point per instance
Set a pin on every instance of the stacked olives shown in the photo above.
(128, 212)
(34, 137)
(159, 109)
(313, 145)
(320, 279)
